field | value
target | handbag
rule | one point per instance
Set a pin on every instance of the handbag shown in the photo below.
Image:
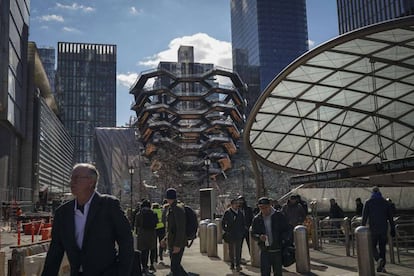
(226, 237)
(288, 255)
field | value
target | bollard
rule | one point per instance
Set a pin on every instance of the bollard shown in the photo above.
(364, 251)
(347, 233)
(254, 251)
(212, 240)
(302, 249)
(226, 253)
(203, 236)
(219, 230)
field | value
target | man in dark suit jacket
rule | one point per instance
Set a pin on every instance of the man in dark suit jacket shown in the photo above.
(87, 228)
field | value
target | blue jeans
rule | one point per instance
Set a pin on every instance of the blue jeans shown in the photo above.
(269, 260)
(176, 267)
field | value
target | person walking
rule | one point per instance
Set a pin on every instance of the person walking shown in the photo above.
(359, 207)
(270, 228)
(233, 225)
(145, 223)
(160, 231)
(377, 213)
(175, 236)
(87, 229)
(247, 212)
(293, 211)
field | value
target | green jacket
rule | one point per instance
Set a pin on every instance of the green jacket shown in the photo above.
(175, 231)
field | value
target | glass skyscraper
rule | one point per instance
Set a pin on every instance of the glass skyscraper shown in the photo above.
(267, 35)
(86, 92)
(359, 13)
(14, 26)
(48, 55)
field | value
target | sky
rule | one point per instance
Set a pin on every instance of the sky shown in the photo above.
(149, 31)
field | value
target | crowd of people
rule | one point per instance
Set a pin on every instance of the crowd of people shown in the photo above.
(98, 223)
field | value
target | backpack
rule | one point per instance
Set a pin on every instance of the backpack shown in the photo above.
(191, 225)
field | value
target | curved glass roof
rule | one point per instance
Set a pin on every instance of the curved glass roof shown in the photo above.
(347, 101)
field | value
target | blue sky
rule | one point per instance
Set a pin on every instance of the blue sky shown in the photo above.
(149, 31)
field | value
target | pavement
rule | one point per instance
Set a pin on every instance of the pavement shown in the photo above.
(331, 260)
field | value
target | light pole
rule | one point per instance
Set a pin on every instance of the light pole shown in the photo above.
(243, 168)
(207, 162)
(131, 173)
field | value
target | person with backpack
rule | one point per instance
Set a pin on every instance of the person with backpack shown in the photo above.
(272, 231)
(145, 223)
(175, 237)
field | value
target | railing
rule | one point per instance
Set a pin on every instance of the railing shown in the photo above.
(333, 231)
(404, 237)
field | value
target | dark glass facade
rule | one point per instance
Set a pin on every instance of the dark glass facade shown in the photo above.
(14, 24)
(48, 57)
(86, 91)
(267, 35)
(359, 13)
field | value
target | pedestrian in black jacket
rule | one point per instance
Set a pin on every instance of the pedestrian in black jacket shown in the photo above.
(233, 225)
(378, 213)
(270, 229)
(248, 218)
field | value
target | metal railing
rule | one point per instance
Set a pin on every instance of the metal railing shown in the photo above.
(336, 231)
(404, 237)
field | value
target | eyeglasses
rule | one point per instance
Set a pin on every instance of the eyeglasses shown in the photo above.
(78, 177)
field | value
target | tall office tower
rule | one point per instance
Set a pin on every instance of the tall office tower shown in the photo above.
(14, 25)
(356, 14)
(47, 55)
(267, 35)
(86, 92)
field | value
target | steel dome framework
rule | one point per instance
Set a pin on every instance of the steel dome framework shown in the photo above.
(349, 101)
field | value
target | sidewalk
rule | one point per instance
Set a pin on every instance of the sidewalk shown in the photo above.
(330, 261)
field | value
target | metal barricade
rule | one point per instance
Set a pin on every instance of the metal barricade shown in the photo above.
(335, 231)
(212, 240)
(364, 251)
(404, 238)
(302, 249)
(254, 251)
(203, 236)
(219, 230)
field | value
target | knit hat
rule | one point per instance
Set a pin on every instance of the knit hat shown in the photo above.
(375, 189)
(171, 193)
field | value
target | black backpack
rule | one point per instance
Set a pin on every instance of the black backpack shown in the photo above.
(191, 225)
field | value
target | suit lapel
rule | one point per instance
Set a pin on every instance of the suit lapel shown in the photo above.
(71, 224)
(93, 210)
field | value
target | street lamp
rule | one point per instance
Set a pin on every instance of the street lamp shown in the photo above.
(243, 168)
(131, 173)
(207, 162)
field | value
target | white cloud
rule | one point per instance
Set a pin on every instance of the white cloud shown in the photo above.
(51, 17)
(127, 80)
(70, 30)
(75, 7)
(311, 43)
(206, 50)
(134, 11)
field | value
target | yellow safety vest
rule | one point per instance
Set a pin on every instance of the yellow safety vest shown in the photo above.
(158, 212)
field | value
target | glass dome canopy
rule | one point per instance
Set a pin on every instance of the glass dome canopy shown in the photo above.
(350, 100)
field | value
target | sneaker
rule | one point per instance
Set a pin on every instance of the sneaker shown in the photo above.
(152, 268)
(232, 266)
(238, 268)
(380, 265)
